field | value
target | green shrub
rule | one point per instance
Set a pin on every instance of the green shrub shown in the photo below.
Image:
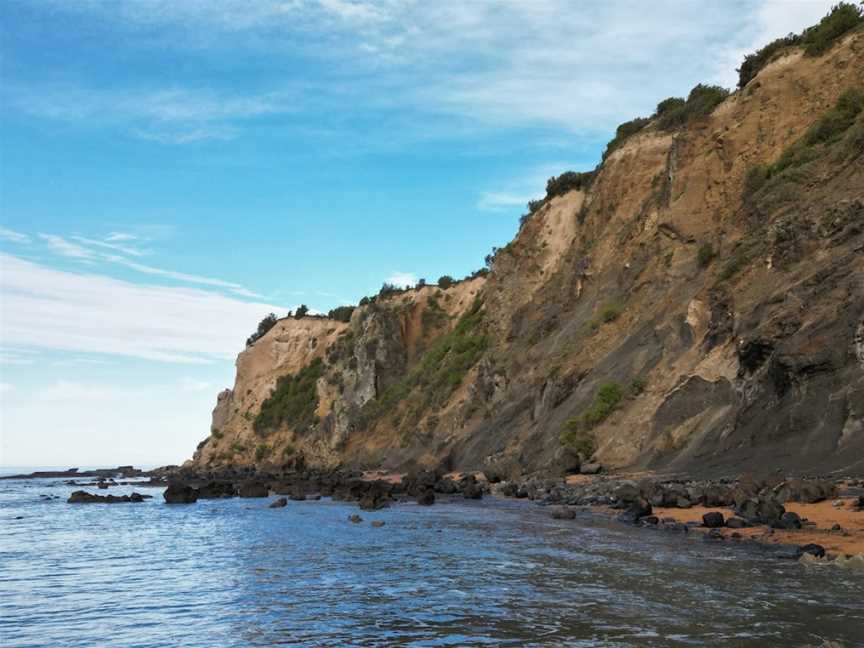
(668, 105)
(288, 450)
(623, 132)
(566, 182)
(301, 312)
(262, 451)
(238, 448)
(263, 326)
(705, 254)
(843, 18)
(700, 102)
(605, 402)
(578, 439)
(341, 313)
(753, 63)
(446, 281)
(611, 312)
(816, 40)
(293, 402)
(638, 385)
(216, 434)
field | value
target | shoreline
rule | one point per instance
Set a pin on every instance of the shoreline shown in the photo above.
(822, 519)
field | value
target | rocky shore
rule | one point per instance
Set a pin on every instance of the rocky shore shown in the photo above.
(818, 518)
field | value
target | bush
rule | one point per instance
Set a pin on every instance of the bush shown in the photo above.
(737, 263)
(668, 105)
(263, 326)
(579, 440)
(605, 402)
(341, 313)
(623, 132)
(700, 102)
(566, 182)
(288, 450)
(611, 312)
(705, 255)
(301, 311)
(843, 18)
(216, 434)
(293, 402)
(753, 63)
(238, 448)
(638, 385)
(446, 281)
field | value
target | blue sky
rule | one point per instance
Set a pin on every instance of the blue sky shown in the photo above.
(171, 171)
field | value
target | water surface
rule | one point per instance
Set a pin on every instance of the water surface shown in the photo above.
(235, 573)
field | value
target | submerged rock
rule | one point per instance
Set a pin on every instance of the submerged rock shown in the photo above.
(562, 513)
(355, 519)
(426, 498)
(637, 510)
(83, 497)
(377, 524)
(279, 503)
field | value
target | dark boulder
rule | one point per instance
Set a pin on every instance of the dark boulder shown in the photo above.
(813, 549)
(562, 512)
(377, 524)
(637, 510)
(426, 498)
(355, 519)
(180, 494)
(472, 490)
(713, 520)
(788, 520)
(253, 488)
(761, 510)
(297, 493)
(736, 523)
(650, 520)
(591, 469)
(279, 503)
(446, 486)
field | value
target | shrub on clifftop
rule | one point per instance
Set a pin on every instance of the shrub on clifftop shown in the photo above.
(263, 326)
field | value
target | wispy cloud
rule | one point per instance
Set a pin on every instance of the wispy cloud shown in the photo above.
(66, 248)
(402, 279)
(102, 315)
(191, 385)
(74, 391)
(495, 201)
(492, 65)
(5, 387)
(110, 245)
(13, 236)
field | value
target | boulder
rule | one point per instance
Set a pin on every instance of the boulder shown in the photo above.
(377, 524)
(590, 469)
(649, 520)
(562, 513)
(713, 520)
(683, 502)
(637, 510)
(216, 490)
(788, 520)
(180, 494)
(761, 510)
(355, 519)
(297, 494)
(472, 490)
(736, 523)
(279, 503)
(426, 498)
(814, 549)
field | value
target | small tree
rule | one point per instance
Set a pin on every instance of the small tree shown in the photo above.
(446, 281)
(301, 312)
(263, 326)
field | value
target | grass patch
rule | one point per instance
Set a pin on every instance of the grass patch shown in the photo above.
(576, 430)
(705, 255)
(216, 434)
(829, 128)
(238, 448)
(262, 451)
(293, 401)
(638, 385)
(288, 450)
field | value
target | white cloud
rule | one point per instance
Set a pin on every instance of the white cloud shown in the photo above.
(496, 201)
(402, 279)
(119, 237)
(13, 236)
(110, 245)
(5, 387)
(192, 385)
(44, 308)
(68, 249)
(512, 63)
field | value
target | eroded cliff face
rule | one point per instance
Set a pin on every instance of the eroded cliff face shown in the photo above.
(728, 320)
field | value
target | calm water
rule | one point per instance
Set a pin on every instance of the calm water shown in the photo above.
(234, 573)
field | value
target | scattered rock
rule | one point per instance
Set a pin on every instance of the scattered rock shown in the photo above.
(789, 520)
(279, 503)
(813, 548)
(638, 509)
(356, 519)
(590, 469)
(562, 513)
(377, 523)
(736, 523)
(180, 494)
(652, 520)
(713, 520)
(83, 497)
(426, 498)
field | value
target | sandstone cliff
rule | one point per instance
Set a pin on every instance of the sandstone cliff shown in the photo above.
(695, 304)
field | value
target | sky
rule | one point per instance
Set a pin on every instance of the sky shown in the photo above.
(172, 171)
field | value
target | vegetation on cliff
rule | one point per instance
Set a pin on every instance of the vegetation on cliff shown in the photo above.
(293, 401)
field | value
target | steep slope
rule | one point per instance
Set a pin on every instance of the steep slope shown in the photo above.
(695, 304)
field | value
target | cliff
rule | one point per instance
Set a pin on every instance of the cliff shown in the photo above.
(695, 304)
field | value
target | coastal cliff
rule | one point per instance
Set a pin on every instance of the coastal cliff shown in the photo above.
(695, 304)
